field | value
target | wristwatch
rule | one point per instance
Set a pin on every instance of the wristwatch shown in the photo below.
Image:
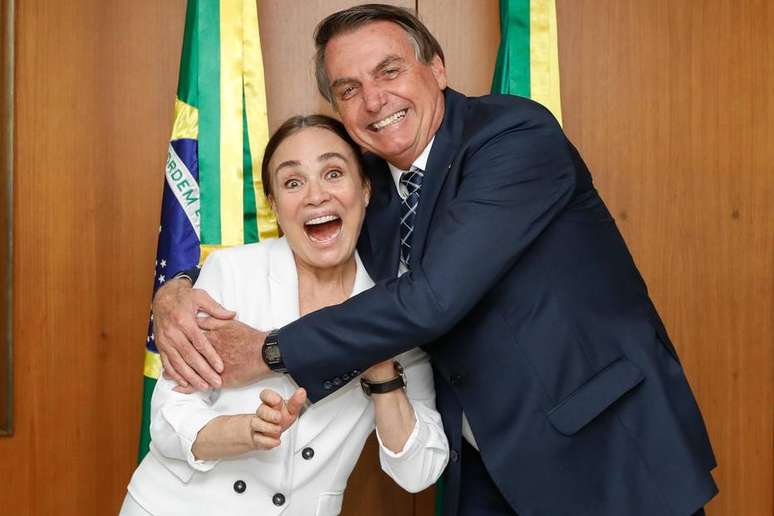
(386, 386)
(271, 353)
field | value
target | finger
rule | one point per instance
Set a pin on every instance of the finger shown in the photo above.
(264, 442)
(206, 304)
(184, 390)
(195, 361)
(269, 414)
(169, 371)
(296, 402)
(265, 427)
(203, 346)
(181, 366)
(271, 398)
(211, 323)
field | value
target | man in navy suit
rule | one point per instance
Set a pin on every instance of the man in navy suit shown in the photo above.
(560, 390)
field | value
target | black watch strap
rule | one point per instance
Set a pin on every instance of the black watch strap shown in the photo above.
(387, 386)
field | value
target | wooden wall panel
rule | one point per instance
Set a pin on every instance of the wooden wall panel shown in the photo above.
(671, 104)
(95, 85)
(469, 33)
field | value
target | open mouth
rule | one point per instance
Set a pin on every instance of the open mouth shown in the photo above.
(323, 229)
(388, 121)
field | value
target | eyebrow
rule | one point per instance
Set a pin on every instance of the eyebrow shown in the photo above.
(322, 157)
(382, 64)
(328, 155)
(288, 163)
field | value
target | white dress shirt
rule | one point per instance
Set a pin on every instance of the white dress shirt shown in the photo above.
(421, 163)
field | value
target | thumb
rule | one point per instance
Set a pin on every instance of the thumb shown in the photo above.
(296, 402)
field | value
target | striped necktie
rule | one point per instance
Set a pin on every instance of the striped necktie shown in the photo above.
(412, 182)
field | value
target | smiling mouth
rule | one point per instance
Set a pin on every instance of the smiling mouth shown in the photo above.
(323, 229)
(388, 121)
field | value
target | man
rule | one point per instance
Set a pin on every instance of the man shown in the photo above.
(560, 391)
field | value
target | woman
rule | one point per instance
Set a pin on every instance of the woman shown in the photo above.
(247, 450)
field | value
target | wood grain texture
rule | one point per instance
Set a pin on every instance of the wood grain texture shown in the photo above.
(671, 104)
(469, 33)
(95, 87)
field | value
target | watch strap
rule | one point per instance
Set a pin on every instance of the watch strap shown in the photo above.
(387, 386)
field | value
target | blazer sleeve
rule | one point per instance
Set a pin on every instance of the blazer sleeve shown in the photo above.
(176, 418)
(511, 185)
(424, 456)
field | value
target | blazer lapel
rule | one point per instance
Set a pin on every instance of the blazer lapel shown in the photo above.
(379, 240)
(445, 146)
(283, 284)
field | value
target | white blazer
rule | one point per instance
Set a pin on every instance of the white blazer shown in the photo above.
(307, 474)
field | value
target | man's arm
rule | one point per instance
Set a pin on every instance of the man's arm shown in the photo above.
(511, 188)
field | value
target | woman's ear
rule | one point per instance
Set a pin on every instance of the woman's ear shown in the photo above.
(367, 193)
(272, 204)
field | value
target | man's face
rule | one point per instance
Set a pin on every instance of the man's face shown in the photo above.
(389, 101)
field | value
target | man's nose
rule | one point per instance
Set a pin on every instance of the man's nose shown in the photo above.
(373, 97)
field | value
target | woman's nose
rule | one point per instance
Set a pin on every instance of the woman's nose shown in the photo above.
(316, 193)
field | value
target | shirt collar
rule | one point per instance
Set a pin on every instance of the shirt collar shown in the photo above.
(420, 163)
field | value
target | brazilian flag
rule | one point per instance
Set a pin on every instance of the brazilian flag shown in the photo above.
(213, 196)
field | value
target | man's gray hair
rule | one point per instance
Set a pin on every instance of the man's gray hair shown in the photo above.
(424, 43)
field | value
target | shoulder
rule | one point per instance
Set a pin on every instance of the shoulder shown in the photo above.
(244, 254)
(490, 115)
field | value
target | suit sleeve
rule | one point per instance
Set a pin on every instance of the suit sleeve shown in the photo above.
(424, 456)
(176, 418)
(510, 187)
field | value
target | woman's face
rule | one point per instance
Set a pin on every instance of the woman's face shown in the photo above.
(318, 196)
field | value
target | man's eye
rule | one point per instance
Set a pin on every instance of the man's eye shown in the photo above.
(347, 92)
(391, 72)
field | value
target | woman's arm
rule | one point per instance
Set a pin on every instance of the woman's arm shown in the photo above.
(228, 436)
(394, 415)
(413, 449)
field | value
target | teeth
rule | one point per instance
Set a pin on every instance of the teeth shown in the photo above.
(321, 220)
(389, 120)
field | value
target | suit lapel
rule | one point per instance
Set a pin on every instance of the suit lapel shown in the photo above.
(445, 146)
(378, 244)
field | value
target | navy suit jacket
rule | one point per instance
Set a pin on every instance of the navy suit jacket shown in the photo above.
(536, 320)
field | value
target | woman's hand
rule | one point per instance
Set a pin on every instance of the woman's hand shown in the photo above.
(228, 436)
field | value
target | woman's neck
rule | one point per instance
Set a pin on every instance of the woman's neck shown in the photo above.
(318, 288)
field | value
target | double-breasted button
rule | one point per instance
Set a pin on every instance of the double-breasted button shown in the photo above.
(355, 372)
(278, 499)
(240, 486)
(454, 456)
(455, 379)
(337, 382)
(307, 453)
(327, 385)
(345, 377)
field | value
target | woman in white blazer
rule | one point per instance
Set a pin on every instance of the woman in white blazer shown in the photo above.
(247, 450)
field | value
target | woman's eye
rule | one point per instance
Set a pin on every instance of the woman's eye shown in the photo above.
(335, 174)
(292, 183)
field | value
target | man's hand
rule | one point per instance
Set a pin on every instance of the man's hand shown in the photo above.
(187, 356)
(239, 346)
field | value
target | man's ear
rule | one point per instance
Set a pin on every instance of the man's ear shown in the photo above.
(439, 71)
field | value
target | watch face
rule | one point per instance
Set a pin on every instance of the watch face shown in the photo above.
(271, 353)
